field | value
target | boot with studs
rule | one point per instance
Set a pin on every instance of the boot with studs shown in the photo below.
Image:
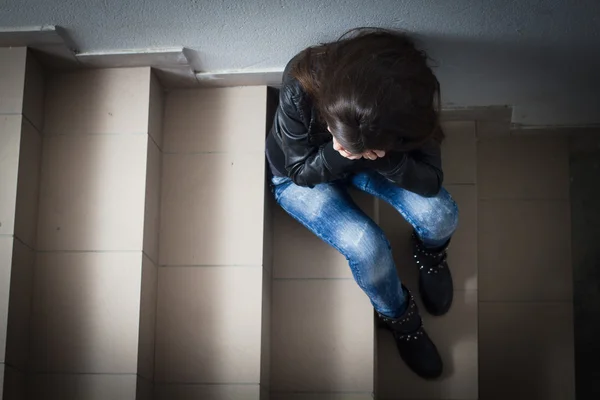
(415, 347)
(435, 279)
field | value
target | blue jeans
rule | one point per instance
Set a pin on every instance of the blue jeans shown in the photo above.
(328, 211)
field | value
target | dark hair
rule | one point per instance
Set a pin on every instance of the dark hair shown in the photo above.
(374, 89)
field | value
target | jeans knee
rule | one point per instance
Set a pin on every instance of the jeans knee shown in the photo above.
(441, 221)
(371, 261)
(371, 245)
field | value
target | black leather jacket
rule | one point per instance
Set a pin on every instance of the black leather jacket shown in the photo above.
(300, 147)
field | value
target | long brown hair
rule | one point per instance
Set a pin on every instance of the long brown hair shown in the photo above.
(374, 89)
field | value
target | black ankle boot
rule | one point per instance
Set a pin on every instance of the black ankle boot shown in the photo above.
(435, 280)
(415, 347)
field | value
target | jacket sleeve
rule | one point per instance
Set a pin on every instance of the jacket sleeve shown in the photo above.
(306, 164)
(419, 171)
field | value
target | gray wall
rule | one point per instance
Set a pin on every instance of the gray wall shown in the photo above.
(540, 56)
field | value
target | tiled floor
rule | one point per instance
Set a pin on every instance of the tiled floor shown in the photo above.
(509, 333)
(212, 314)
(525, 273)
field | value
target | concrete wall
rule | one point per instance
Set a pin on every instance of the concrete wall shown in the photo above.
(539, 56)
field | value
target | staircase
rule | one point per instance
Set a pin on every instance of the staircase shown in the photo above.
(142, 256)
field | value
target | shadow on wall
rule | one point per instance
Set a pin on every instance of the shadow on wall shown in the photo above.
(553, 84)
(585, 217)
(547, 85)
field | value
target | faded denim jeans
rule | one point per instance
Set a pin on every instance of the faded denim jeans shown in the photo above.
(328, 211)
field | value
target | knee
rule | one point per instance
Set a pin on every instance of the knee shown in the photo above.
(440, 220)
(366, 244)
(370, 256)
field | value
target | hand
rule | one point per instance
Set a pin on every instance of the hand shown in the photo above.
(373, 154)
(337, 147)
(350, 156)
(369, 154)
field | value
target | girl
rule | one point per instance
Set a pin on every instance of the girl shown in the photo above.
(363, 111)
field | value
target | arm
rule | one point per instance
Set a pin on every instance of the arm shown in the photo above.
(419, 171)
(306, 164)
